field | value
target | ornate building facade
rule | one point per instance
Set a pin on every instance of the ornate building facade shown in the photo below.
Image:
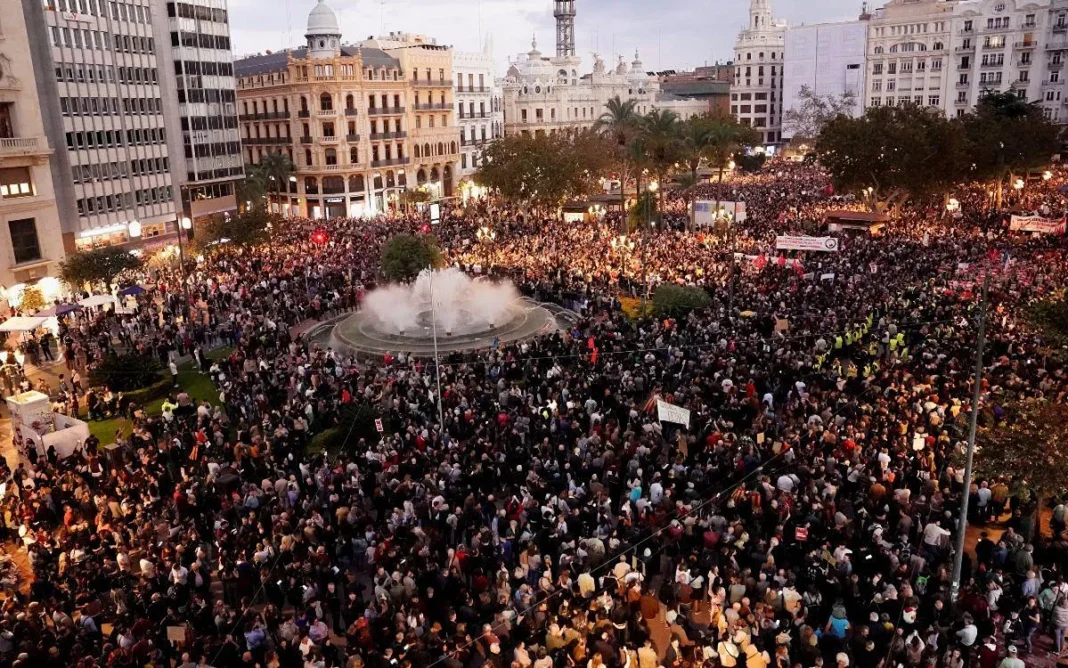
(543, 94)
(759, 56)
(361, 123)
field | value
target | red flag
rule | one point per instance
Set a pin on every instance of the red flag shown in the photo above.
(782, 260)
(761, 262)
(798, 267)
(593, 356)
(591, 344)
(993, 255)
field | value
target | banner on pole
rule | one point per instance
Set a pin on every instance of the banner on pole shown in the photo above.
(666, 412)
(823, 244)
(1037, 224)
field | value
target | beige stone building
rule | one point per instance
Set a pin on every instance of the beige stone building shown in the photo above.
(31, 240)
(361, 123)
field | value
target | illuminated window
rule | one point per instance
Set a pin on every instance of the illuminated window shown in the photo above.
(15, 182)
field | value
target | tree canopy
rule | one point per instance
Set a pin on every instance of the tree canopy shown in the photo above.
(405, 255)
(813, 112)
(244, 229)
(100, 265)
(896, 151)
(1030, 445)
(544, 170)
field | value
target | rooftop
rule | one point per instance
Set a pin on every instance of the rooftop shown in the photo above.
(276, 62)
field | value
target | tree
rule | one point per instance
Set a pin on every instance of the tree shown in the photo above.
(251, 191)
(643, 211)
(543, 170)
(1051, 317)
(244, 229)
(895, 151)
(414, 196)
(725, 137)
(619, 123)
(123, 373)
(276, 168)
(813, 112)
(750, 162)
(686, 182)
(1029, 446)
(405, 255)
(32, 299)
(660, 129)
(101, 265)
(677, 300)
(1006, 137)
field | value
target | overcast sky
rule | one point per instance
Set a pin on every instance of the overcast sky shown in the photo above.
(669, 34)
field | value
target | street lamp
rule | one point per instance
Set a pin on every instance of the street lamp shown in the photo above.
(185, 223)
(485, 236)
(134, 229)
(1018, 184)
(622, 245)
(1047, 175)
(953, 205)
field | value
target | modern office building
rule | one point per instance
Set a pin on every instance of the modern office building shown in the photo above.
(109, 117)
(759, 54)
(30, 236)
(1053, 53)
(208, 161)
(828, 59)
(361, 123)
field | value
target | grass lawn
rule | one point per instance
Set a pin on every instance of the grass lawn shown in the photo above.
(197, 385)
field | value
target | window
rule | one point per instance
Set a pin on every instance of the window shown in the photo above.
(15, 182)
(933, 100)
(24, 241)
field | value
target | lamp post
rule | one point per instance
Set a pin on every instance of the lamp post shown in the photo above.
(185, 223)
(486, 236)
(622, 245)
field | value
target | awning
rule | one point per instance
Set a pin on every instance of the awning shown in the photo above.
(856, 216)
(132, 290)
(60, 310)
(97, 300)
(21, 324)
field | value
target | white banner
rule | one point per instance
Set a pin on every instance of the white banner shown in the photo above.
(1037, 224)
(706, 212)
(666, 412)
(824, 244)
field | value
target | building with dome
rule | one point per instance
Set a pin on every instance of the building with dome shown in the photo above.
(543, 94)
(759, 57)
(361, 122)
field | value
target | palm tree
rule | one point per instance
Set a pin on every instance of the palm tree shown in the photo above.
(277, 168)
(620, 122)
(660, 127)
(725, 138)
(693, 144)
(253, 189)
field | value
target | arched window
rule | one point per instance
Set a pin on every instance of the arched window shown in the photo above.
(441, 148)
(331, 156)
(354, 155)
(893, 49)
(878, 49)
(350, 102)
(326, 102)
(378, 181)
(937, 46)
(426, 150)
(333, 185)
(417, 152)
(303, 103)
(391, 180)
(356, 183)
(311, 185)
(434, 174)
(420, 177)
(307, 157)
(453, 146)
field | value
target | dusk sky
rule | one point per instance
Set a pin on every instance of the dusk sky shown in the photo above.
(676, 34)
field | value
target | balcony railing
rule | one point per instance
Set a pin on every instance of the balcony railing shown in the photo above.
(265, 116)
(389, 163)
(304, 113)
(352, 139)
(325, 112)
(350, 112)
(1024, 45)
(1054, 66)
(305, 140)
(995, 45)
(22, 145)
(426, 83)
(253, 141)
(994, 64)
(380, 111)
(433, 107)
(329, 139)
(964, 48)
(378, 136)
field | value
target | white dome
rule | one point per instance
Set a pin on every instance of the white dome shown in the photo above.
(323, 22)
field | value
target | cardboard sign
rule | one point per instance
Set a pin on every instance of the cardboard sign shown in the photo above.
(801, 533)
(666, 412)
(378, 425)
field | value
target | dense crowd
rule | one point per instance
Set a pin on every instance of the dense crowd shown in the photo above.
(805, 516)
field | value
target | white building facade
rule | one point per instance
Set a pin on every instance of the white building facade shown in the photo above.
(829, 59)
(478, 105)
(759, 55)
(30, 236)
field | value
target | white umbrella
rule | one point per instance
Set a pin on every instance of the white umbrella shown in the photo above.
(97, 300)
(21, 324)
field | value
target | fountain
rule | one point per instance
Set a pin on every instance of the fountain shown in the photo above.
(467, 313)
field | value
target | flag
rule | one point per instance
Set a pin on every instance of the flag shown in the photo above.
(760, 262)
(591, 344)
(593, 356)
(799, 268)
(496, 342)
(782, 260)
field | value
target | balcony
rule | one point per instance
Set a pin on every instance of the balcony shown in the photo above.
(1024, 45)
(965, 48)
(304, 113)
(433, 107)
(389, 163)
(1055, 66)
(964, 84)
(265, 116)
(23, 146)
(305, 140)
(1060, 27)
(440, 83)
(385, 111)
(967, 31)
(990, 65)
(267, 141)
(378, 136)
(329, 139)
(964, 66)
(329, 168)
(352, 139)
(992, 46)
(326, 113)
(350, 112)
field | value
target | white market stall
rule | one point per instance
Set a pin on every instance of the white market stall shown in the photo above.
(41, 428)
